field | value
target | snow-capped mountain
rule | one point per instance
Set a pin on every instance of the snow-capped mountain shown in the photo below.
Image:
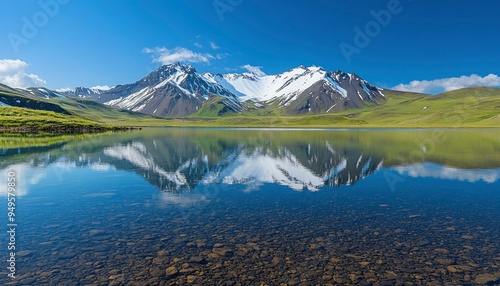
(303, 89)
(179, 90)
(83, 92)
(171, 90)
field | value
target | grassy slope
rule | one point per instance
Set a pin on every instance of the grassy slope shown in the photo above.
(23, 119)
(79, 108)
(212, 108)
(98, 112)
(214, 113)
(16, 140)
(469, 107)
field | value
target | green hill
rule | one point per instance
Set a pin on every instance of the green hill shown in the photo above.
(467, 107)
(216, 106)
(92, 110)
(18, 119)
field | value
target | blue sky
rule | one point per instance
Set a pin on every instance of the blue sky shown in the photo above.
(67, 43)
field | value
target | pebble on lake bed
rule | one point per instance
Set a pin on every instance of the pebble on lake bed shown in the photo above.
(171, 271)
(486, 278)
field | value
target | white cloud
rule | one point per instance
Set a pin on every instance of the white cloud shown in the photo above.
(429, 170)
(102, 167)
(101, 87)
(31, 176)
(183, 200)
(254, 69)
(448, 84)
(197, 44)
(221, 56)
(214, 46)
(13, 73)
(65, 89)
(169, 56)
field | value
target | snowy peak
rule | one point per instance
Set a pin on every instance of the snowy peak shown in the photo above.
(175, 72)
(303, 70)
(171, 90)
(186, 79)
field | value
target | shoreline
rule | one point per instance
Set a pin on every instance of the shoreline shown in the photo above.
(63, 129)
(89, 130)
(312, 127)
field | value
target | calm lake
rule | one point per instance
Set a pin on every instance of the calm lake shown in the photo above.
(255, 207)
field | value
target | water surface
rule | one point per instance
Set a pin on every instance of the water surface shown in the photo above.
(250, 207)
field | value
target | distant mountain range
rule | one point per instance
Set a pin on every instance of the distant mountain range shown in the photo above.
(300, 97)
(179, 90)
(82, 91)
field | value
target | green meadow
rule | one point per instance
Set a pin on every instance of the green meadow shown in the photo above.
(16, 119)
(475, 107)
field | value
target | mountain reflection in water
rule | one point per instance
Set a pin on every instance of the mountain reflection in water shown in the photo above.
(177, 160)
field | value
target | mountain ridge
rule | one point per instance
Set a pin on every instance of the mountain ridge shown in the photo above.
(178, 90)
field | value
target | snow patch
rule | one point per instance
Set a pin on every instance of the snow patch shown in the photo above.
(360, 97)
(336, 86)
(268, 87)
(132, 100)
(365, 88)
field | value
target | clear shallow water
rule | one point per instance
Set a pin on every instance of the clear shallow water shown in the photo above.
(217, 207)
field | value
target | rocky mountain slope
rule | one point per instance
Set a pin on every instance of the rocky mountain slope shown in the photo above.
(303, 89)
(170, 91)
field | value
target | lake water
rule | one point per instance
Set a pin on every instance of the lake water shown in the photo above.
(255, 207)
